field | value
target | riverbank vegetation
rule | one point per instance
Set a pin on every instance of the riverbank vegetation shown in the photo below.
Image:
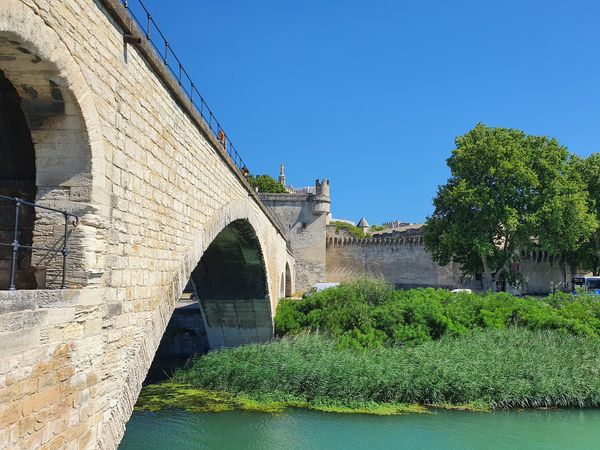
(364, 347)
(369, 313)
(495, 368)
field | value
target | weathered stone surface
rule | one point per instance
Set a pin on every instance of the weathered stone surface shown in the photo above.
(116, 144)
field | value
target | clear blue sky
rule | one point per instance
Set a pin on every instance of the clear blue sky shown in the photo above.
(372, 94)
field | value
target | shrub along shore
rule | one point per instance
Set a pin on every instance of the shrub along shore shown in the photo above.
(363, 347)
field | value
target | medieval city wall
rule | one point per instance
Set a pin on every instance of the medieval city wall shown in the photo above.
(401, 259)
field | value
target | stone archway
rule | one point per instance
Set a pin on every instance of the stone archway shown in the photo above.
(17, 179)
(39, 73)
(288, 281)
(231, 284)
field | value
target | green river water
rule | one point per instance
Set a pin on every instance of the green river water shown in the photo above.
(305, 429)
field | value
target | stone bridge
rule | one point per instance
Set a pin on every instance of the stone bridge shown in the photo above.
(99, 128)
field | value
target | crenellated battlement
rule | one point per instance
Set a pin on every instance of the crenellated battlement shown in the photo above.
(342, 238)
(414, 237)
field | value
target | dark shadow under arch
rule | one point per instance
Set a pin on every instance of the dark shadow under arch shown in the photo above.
(17, 179)
(231, 285)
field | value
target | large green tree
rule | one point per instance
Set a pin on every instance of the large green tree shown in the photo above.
(587, 256)
(508, 192)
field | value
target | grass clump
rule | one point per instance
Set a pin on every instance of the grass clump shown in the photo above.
(492, 369)
(369, 313)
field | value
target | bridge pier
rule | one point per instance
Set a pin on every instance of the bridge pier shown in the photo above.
(234, 322)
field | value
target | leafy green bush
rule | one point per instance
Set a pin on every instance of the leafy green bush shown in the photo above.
(513, 367)
(368, 313)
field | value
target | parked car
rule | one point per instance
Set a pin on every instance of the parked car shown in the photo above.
(464, 291)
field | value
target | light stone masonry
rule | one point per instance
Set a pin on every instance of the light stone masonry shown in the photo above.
(118, 145)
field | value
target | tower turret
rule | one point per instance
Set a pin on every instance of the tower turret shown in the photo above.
(321, 200)
(281, 175)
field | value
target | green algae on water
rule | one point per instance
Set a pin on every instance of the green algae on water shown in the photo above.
(170, 395)
(167, 395)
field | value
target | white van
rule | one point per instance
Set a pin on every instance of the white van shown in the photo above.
(586, 284)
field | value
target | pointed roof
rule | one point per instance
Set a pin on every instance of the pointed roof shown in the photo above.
(363, 223)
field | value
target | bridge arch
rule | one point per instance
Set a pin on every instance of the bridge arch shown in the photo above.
(38, 72)
(250, 228)
(231, 283)
(282, 286)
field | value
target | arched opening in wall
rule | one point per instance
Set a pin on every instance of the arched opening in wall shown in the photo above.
(17, 179)
(231, 284)
(288, 281)
(225, 303)
(282, 286)
(45, 159)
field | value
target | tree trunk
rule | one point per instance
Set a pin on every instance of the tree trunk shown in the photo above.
(487, 279)
(563, 270)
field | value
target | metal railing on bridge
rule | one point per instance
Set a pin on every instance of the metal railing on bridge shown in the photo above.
(165, 52)
(17, 245)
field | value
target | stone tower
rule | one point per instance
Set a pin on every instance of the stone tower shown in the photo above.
(281, 175)
(322, 199)
(305, 213)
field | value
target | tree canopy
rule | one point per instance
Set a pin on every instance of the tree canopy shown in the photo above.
(508, 192)
(587, 255)
(353, 230)
(266, 184)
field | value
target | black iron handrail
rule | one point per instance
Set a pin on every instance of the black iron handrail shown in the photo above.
(165, 52)
(17, 246)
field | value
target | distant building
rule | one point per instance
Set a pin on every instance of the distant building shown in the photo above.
(305, 214)
(396, 224)
(281, 175)
(363, 225)
(325, 253)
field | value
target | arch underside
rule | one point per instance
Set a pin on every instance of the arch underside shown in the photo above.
(231, 285)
